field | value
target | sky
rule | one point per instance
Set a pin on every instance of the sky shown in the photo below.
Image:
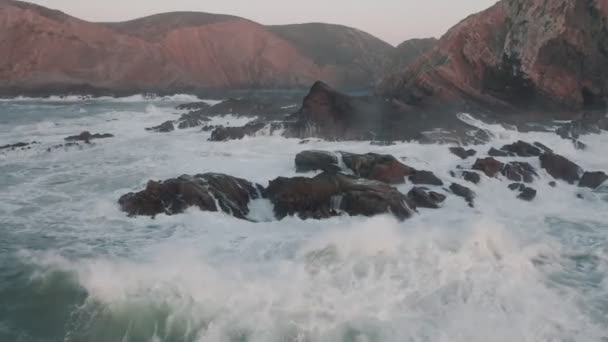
(391, 20)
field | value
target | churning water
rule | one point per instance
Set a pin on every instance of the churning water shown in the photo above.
(73, 267)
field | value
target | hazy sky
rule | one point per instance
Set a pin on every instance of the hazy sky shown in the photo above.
(391, 20)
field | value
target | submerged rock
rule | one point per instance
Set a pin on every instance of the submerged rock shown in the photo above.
(462, 152)
(19, 145)
(208, 192)
(522, 149)
(86, 136)
(489, 166)
(422, 198)
(329, 194)
(316, 160)
(190, 120)
(193, 106)
(165, 127)
(593, 180)
(497, 153)
(560, 168)
(384, 168)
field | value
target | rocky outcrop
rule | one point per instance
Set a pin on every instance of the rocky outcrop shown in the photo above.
(236, 133)
(208, 192)
(525, 193)
(464, 192)
(462, 152)
(490, 166)
(423, 198)
(86, 136)
(383, 168)
(316, 160)
(19, 145)
(593, 180)
(165, 127)
(49, 52)
(522, 149)
(425, 177)
(329, 114)
(519, 172)
(518, 56)
(409, 51)
(330, 194)
(561, 168)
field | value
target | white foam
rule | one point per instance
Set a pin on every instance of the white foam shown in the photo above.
(499, 272)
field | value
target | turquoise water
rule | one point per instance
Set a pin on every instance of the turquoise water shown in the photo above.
(74, 268)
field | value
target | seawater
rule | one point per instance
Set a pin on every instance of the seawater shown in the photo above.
(73, 267)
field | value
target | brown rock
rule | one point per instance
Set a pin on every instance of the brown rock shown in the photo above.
(489, 166)
(384, 168)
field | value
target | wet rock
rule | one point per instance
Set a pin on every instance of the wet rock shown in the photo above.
(579, 145)
(236, 133)
(165, 127)
(543, 147)
(489, 166)
(552, 184)
(462, 152)
(422, 198)
(464, 192)
(425, 177)
(382, 143)
(251, 106)
(517, 186)
(329, 194)
(316, 160)
(522, 149)
(190, 120)
(519, 171)
(384, 168)
(193, 106)
(497, 153)
(593, 180)
(208, 192)
(472, 177)
(87, 137)
(527, 194)
(208, 128)
(560, 168)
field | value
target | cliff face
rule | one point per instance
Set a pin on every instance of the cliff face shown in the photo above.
(517, 55)
(407, 52)
(49, 51)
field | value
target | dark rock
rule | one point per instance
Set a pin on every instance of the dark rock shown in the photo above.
(519, 171)
(489, 166)
(382, 143)
(464, 192)
(560, 168)
(384, 168)
(593, 180)
(579, 145)
(208, 128)
(87, 137)
(498, 153)
(328, 194)
(425, 177)
(205, 191)
(543, 147)
(472, 177)
(522, 149)
(527, 194)
(552, 184)
(21, 145)
(316, 160)
(165, 127)
(463, 153)
(516, 186)
(422, 198)
(235, 133)
(193, 119)
(253, 106)
(193, 106)
(304, 142)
